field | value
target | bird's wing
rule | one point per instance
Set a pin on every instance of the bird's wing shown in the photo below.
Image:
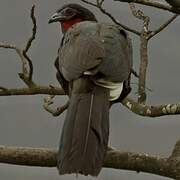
(64, 84)
(92, 46)
(81, 51)
(118, 60)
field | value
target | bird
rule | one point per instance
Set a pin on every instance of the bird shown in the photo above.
(93, 67)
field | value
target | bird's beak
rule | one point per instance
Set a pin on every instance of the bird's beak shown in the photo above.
(57, 17)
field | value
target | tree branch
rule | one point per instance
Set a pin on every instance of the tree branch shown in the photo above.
(163, 26)
(34, 30)
(153, 3)
(25, 76)
(100, 7)
(28, 46)
(48, 101)
(151, 110)
(27, 65)
(135, 107)
(115, 159)
(143, 52)
(31, 91)
(143, 67)
(174, 3)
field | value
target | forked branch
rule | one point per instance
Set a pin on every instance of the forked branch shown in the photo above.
(48, 101)
(104, 11)
(27, 65)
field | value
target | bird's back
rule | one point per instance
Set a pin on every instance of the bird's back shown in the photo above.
(90, 45)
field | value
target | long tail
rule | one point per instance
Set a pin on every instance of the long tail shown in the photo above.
(85, 133)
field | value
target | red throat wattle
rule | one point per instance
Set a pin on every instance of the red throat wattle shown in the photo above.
(67, 24)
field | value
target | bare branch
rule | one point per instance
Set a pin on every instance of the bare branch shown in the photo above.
(135, 107)
(31, 91)
(143, 68)
(26, 80)
(48, 101)
(90, 3)
(153, 3)
(20, 54)
(150, 110)
(30, 64)
(100, 2)
(27, 65)
(28, 156)
(140, 15)
(8, 46)
(99, 6)
(163, 26)
(3, 88)
(28, 45)
(114, 159)
(143, 52)
(34, 29)
(174, 3)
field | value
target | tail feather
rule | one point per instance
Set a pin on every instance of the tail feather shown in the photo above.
(85, 133)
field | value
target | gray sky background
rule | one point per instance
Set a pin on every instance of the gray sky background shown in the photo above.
(23, 122)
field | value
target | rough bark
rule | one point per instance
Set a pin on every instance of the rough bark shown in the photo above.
(169, 167)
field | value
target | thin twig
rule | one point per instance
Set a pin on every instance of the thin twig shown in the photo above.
(27, 65)
(8, 46)
(163, 26)
(20, 54)
(140, 15)
(34, 30)
(100, 2)
(29, 43)
(99, 6)
(90, 3)
(153, 3)
(48, 101)
(30, 64)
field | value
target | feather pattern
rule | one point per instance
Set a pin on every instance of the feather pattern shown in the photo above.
(85, 133)
(89, 122)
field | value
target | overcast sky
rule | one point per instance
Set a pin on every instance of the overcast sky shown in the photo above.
(24, 122)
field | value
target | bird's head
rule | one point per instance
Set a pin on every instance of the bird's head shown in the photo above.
(71, 14)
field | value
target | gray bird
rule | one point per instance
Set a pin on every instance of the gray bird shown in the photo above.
(93, 66)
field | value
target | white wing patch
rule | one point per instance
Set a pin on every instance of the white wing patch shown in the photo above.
(115, 87)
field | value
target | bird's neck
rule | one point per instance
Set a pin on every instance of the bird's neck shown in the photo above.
(68, 24)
